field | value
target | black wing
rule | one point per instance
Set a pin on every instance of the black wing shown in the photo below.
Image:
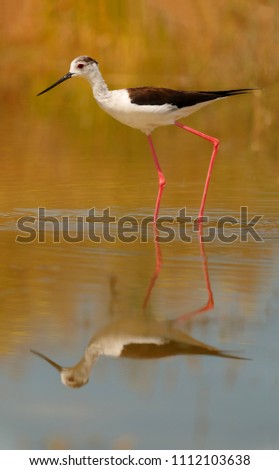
(181, 99)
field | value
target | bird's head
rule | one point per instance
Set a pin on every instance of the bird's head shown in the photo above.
(81, 66)
(72, 377)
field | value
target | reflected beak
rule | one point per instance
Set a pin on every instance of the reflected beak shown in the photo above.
(52, 363)
(61, 80)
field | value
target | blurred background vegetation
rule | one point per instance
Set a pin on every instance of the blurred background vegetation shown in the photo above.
(189, 43)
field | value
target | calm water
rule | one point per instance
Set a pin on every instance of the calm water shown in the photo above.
(71, 301)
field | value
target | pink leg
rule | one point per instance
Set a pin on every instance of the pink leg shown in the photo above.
(161, 177)
(215, 143)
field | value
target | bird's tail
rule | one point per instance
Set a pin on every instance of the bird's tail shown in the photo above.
(240, 91)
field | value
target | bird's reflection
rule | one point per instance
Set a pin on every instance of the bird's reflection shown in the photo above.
(141, 337)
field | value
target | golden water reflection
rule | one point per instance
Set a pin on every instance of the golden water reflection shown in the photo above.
(140, 336)
(59, 295)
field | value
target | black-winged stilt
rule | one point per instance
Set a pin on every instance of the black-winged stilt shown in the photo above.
(146, 108)
(134, 338)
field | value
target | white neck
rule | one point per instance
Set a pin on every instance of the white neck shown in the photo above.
(78, 375)
(98, 84)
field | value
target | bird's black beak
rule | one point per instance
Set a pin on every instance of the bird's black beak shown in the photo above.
(66, 77)
(52, 363)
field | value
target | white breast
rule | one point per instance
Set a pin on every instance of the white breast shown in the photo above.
(143, 117)
(112, 345)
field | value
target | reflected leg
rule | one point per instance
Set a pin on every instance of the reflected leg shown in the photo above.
(210, 300)
(156, 271)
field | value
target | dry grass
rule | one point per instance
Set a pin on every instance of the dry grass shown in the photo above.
(188, 43)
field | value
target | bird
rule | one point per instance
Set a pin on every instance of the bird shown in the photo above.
(146, 108)
(135, 338)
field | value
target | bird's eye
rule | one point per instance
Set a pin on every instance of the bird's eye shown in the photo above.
(80, 66)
